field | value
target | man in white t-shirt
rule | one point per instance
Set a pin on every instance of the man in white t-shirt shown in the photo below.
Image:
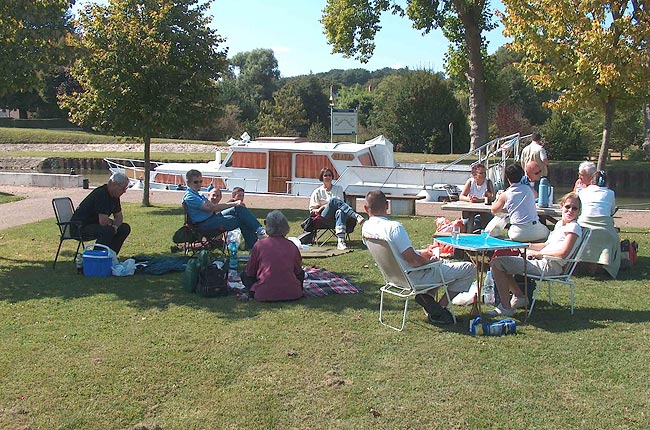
(459, 276)
(535, 152)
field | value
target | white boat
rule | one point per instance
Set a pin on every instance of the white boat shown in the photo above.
(287, 165)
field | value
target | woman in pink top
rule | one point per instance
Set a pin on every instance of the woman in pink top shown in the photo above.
(274, 270)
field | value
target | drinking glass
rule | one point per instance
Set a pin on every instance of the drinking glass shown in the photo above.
(455, 232)
(485, 235)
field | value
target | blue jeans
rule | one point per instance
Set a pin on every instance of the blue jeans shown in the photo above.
(339, 211)
(232, 218)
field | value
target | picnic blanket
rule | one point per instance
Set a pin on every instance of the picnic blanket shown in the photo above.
(322, 251)
(320, 282)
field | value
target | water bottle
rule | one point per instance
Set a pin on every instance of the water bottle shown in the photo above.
(544, 192)
(232, 251)
(488, 289)
(79, 263)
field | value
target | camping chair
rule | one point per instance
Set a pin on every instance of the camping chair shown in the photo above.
(324, 229)
(63, 210)
(565, 276)
(191, 238)
(398, 278)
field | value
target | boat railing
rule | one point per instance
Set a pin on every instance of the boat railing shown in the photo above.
(297, 188)
(232, 182)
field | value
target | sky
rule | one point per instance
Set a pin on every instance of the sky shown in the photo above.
(293, 30)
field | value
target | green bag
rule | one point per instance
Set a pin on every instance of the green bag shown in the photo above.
(193, 268)
(191, 275)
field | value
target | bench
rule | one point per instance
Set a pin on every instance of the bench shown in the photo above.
(400, 204)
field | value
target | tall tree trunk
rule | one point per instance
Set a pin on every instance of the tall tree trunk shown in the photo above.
(147, 169)
(475, 74)
(646, 128)
(22, 113)
(610, 109)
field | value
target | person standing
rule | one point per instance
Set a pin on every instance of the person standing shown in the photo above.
(536, 152)
(95, 211)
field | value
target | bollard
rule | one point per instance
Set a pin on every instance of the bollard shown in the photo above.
(86, 184)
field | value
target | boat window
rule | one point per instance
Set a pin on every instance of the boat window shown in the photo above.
(309, 166)
(348, 157)
(249, 160)
(366, 159)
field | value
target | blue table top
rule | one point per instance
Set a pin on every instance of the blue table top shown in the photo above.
(476, 242)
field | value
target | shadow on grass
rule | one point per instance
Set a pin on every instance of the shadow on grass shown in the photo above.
(35, 280)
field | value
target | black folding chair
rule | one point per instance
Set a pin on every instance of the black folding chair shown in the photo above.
(69, 230)
(191, 238)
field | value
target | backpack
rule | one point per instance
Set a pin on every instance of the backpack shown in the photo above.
(213, 281)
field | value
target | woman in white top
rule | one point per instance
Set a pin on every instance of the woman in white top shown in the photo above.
(476, 189)
(560, 244)
(598, 206)
(328, 202)
(519, 201)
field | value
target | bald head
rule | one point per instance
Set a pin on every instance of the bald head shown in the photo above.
(533, 171)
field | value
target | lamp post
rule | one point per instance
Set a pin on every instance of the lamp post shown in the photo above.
(451, 135)
(331, 103)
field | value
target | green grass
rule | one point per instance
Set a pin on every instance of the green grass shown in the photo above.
(140, 352)
(44, 136)
(6, 198)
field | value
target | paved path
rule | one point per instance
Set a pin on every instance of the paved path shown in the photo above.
(38, 205)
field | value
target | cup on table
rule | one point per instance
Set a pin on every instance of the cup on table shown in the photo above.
(485, 235)
(455, 232)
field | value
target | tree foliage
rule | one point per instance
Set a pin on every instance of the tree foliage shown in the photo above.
(34, 39)
(351, 26)
(150, 67)
(564, 140)
(285, 117)
(593, 53)
(415, 110)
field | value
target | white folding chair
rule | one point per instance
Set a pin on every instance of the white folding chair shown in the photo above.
(565, 276)
(398, 278)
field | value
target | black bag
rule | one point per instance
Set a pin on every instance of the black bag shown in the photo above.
(308, 224)
(213, 282)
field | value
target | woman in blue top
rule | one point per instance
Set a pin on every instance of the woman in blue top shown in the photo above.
(210, 214)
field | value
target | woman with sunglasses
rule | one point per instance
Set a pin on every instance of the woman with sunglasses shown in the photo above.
(598, 206)
(327, 201)
(560, 244)
(208, 213)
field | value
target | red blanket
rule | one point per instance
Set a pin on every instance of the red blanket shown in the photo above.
(320, 282)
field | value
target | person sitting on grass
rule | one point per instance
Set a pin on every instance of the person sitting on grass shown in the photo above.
(328, 202)
(459, 276)
(560, 243)
(274, 270)
(210, 214)
(94, 213)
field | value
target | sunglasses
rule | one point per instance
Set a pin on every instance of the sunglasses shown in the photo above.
(196, 182)
(537, 173)
(569, 207)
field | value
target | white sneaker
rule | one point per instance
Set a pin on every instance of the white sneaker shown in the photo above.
(500, 311)
(341, 245)
(518, 302)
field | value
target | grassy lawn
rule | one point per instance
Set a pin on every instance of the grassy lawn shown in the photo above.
(140, 352)
(6, 198)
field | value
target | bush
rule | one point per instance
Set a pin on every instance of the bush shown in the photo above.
(563, 138)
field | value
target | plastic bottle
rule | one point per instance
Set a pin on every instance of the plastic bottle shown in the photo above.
(544, 192)
(79, 263)
(232, 251)
(488, 289)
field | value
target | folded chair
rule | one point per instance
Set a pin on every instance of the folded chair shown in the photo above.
(63, 210)
(565, 276)
(191, 238)
(324, 229)
(397, 277)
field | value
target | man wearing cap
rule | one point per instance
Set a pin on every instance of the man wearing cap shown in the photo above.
(95, 211)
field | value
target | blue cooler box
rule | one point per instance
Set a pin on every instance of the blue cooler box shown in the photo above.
(97, 262)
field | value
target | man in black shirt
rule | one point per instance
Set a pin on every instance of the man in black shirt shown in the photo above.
(95, 211)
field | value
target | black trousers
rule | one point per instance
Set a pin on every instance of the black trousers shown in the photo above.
(106, 235)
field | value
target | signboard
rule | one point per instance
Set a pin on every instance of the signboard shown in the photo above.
(344, 122)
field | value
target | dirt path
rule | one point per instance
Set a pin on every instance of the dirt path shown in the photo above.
(37, 205)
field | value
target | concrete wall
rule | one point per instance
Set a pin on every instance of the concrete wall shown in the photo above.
(41, 179)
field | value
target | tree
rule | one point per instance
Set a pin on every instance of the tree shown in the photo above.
(285, 117)
(593, 53)
(359, 98)
(351, 26)
(646, 128)
(415, 110)
(150, 67)
(564, 140)
(33, 42)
